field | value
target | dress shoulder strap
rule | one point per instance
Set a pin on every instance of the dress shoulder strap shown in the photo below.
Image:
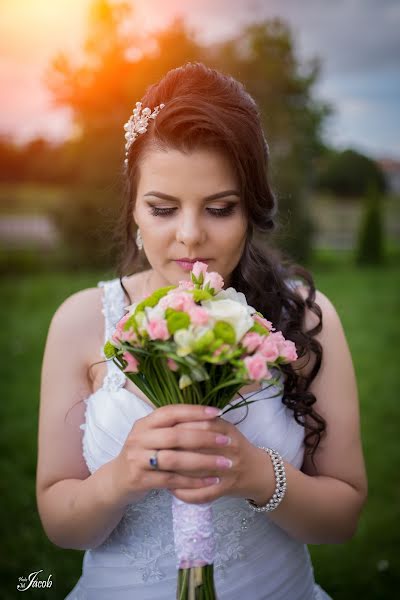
(113, 305)
(113, 310)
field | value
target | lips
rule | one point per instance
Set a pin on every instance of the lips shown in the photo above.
(187, 264)
(192, 260)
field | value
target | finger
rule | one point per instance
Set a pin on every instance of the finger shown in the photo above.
(209, 425)
(171, 414)
(184, 438)
(172, 481)
(194, 464)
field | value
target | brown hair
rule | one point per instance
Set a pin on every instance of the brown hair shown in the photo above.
(204, 107)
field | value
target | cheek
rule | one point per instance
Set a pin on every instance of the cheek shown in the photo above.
(231, 233)
(157, 227)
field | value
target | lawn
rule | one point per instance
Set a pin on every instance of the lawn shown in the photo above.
(368, 302)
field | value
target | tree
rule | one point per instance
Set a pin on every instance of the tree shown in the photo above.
(118, 67)
(370, 246)
(349, 174)
(263, 58)
(102, 90)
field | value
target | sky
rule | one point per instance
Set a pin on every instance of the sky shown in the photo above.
(357, 41)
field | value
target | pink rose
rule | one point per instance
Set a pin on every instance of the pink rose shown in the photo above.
(288, 351)
(186, 285)
(120, 325)
(120, 334)
(198, 315)
(277, 337)
(157, 329)
(172, 364)
(199, 268)
(264, 322)
(214, 280)
(179, 301)
(129, 336)
(164, 302)
(115, 338)
(133, 364)
(251, 341)
(269, 349)
(256, 367)
(285, 348)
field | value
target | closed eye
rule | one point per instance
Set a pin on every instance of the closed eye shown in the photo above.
(217, 212)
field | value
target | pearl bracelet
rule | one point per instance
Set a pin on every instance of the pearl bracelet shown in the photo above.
(280, 488)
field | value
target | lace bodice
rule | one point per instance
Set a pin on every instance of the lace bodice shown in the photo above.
(141, 547)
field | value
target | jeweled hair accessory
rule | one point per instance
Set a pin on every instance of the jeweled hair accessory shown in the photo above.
(138, 123)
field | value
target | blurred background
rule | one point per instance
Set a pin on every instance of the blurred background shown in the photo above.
(327, 79)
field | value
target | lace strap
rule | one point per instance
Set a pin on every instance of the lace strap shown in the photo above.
(113, 311)
(113, 305)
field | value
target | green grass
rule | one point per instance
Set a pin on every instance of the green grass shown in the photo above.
(368, 302)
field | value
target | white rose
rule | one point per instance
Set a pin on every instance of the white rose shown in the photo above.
(184, 339)
(155, 312)
(232, 294)
(233, 312)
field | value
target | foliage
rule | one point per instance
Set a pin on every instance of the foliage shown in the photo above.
(119, 65)
(39, 160)
(86, 219)
(370, 246)
(102, 91)
(263, 58)
(349, 174)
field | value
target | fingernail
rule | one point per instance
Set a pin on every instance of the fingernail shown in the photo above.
(211, 480)
(224, 462)
(211, 410)
(223, 440)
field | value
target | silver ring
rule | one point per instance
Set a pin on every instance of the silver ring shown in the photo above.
(153, 461)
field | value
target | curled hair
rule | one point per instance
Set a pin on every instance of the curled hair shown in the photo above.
(206, 108)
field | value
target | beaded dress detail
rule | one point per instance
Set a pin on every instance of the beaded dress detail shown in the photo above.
(254, 558)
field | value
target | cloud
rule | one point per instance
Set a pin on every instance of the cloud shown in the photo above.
(349, 35)
(358, 42)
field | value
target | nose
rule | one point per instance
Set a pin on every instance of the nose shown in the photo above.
(190, 231)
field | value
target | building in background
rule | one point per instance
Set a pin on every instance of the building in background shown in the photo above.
(391, 170)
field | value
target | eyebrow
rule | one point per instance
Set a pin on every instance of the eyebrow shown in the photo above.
(212, 197)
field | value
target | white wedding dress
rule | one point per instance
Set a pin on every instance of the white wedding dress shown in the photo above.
(254, 559)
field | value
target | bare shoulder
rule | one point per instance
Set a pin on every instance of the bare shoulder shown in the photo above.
(78, 305)
(328, 310)
(74, 329)
(79, 321)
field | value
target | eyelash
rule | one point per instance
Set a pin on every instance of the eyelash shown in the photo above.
(216, 212)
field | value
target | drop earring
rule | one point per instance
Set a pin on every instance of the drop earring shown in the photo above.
(139, 241)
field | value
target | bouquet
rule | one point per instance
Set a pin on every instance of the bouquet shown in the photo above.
(197, 343)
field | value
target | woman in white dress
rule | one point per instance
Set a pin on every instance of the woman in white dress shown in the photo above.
(197, 187)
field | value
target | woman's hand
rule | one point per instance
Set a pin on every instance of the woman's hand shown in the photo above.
(250, 475)
(132, 475)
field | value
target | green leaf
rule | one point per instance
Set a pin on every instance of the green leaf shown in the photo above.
(130, 323)
(257, 328)
(203, 343)
(153, 300)
(216, 344)
(199, 295)
(225, 331)
(109, 350)
(176, 320)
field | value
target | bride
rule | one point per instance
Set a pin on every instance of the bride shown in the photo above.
(197, 188)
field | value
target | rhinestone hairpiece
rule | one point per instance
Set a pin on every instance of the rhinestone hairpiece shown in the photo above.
(138, 123)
